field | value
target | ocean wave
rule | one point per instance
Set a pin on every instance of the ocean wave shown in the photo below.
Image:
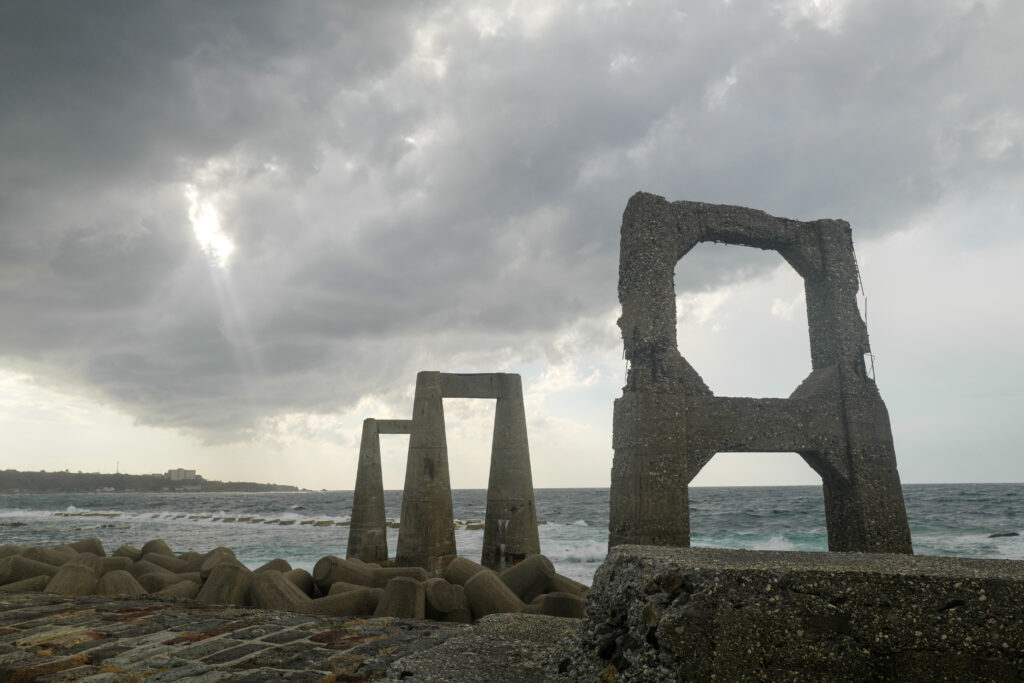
(576, 552)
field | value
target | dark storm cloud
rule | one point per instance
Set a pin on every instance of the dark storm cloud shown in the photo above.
(409, 183)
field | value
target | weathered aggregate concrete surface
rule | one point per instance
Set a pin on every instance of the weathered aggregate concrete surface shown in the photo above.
(96, 639)
(668, 424)
(666, 614)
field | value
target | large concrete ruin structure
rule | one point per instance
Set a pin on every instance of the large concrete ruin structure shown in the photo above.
(668, 424)
(427, 537)
(367, 535)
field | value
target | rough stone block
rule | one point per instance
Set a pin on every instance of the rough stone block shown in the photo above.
(89, 560)
(34, 584)
(215, 557)
(131, 552)
(119, 582)
(276, 564)
(461, 569)
(181, 589)
(154, 582)
(145, 567)
(302, 579)
(9, 550)
(360, 602)
(89, 545)
(343, 587)
(168, 562)
(72, 579)
(403, 598)
(488, 594)
(228, 584)
(462, 614)
(18, 567)
(47, 555)
(116, 563)
(667, 614)
(331, 568)
(529, 578)
(440, 598)
(271, 590)
(157, 545)
(383, 575)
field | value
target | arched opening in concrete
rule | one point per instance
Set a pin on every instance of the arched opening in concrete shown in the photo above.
(758, 501)
(741, 320)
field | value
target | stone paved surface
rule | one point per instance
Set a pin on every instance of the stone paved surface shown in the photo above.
(94, 639)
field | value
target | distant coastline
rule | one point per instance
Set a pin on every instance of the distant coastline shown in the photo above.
(14, 481)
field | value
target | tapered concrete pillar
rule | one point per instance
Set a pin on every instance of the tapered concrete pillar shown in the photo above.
(510, 525)
(426, 537)
(367, 539)
(367, 534)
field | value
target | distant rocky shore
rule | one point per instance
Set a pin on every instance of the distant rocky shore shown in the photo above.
(14, 481)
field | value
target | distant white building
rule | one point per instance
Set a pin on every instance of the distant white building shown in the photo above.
(181, 475)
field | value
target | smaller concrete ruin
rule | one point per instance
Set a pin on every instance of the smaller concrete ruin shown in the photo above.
(427, 537)
(668, 424)
(367, 536)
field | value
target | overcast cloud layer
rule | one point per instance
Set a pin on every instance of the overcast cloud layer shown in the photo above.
(234, 219)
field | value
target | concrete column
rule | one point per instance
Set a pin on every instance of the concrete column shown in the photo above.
(367, 534)
(510, 524)
(426, 537)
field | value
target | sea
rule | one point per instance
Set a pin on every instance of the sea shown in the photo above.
(303, 526)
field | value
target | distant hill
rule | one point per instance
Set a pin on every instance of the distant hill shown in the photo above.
(13, 481)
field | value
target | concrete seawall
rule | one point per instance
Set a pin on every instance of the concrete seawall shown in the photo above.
(666, 614)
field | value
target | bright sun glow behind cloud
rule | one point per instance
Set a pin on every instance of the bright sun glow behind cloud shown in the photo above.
(206, 226)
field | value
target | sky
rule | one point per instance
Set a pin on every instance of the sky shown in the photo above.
(231, 231)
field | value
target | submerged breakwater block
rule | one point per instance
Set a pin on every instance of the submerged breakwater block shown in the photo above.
(667, 614)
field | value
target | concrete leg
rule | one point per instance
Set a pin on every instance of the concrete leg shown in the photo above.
(426, 537)
(510, 524)
(367, 539)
